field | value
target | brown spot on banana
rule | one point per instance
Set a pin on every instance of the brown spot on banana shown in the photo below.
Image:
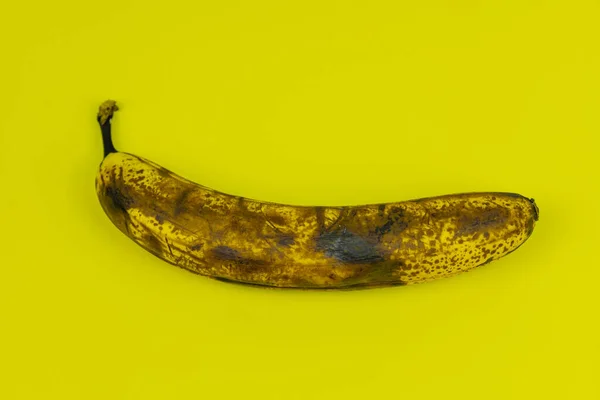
(242, 240)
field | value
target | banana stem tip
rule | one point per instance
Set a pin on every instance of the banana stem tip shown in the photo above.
(106, 111)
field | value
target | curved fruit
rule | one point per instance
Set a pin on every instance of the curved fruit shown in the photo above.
(241, 240)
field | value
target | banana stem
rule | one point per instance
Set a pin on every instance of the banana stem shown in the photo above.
(105, 114)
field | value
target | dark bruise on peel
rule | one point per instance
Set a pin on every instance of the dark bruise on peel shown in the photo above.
(347, 247)
(161, 217)
(286, 240)
(385, 228)
(225, 253)
(396, 223)
(197, 246)
(262, 244)
(475, 222)
(179, 206)
(320, 213)
(153, 244)
(276, 219)
(119, 199)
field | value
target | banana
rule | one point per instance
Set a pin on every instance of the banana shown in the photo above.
(236, 239)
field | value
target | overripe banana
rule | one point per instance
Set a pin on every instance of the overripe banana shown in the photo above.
(236, 239)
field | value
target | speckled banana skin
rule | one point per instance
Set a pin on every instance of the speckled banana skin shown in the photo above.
(241, 240)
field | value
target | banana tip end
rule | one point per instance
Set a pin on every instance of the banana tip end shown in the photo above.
(536, 210)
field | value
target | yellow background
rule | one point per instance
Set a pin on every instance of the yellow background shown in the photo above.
(304, 102)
